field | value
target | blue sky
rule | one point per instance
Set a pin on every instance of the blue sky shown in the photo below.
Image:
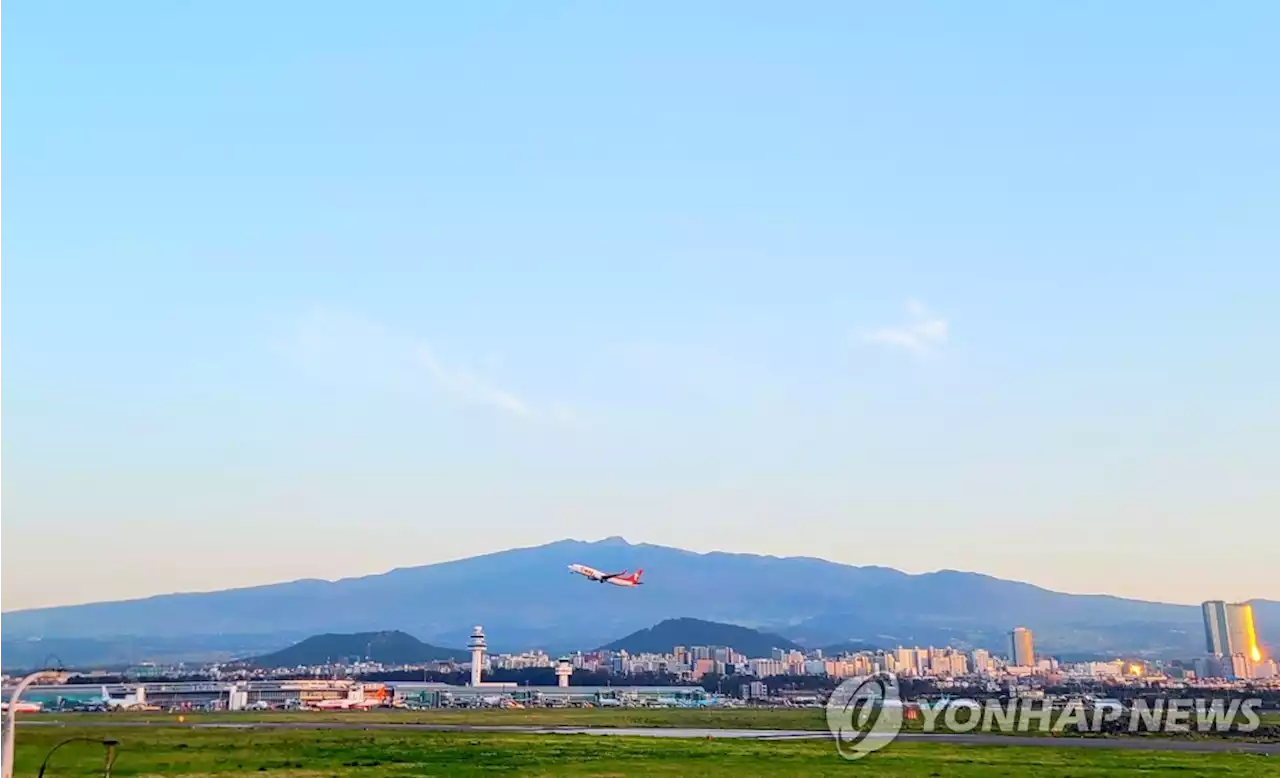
(982, 286)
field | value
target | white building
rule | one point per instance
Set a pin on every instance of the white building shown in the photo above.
(763, 668)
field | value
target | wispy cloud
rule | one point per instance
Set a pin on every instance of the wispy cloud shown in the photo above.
(925, 333)
(376, 353)
(469, 386)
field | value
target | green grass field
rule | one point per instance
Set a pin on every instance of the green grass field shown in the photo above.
(724, 718)
(166, 751)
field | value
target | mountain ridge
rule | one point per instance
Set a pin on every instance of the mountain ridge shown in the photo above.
(808, 600)
(604, 541)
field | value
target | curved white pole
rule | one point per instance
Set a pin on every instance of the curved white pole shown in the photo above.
(11, 721)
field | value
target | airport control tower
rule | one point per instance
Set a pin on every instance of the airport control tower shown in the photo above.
(478, 647)
(564, 669)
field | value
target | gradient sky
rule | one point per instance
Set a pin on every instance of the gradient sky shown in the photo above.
(320, 289)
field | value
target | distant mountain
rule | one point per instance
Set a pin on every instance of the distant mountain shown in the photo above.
(809, 601)
(851, 647)
(120, 651)
(389, 648)
(695, 632)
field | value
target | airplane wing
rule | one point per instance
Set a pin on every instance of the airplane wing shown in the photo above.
(607, 576)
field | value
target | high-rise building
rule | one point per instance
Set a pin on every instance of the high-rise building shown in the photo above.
(1240, 628)
(1023, 648)
(1241, 667)
(763, 668)
(906, 661)
(1216, 635)
(885, 662)
(1229, 630)
(756, 690)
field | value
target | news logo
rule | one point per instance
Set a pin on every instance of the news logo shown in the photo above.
(864, 714)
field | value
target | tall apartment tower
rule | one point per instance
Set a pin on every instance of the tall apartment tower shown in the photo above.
(1023, 648)
(1242, 632)
(1229, 629)
(1217, 636)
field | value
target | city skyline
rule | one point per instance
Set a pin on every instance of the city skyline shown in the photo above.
(391, 289)
(691, 662)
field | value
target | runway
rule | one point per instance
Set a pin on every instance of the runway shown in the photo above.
(973, 739)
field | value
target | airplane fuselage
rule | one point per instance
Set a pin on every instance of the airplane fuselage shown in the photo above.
(617, 579)
(23, 707)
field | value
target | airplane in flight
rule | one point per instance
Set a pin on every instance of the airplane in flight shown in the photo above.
(617, 579)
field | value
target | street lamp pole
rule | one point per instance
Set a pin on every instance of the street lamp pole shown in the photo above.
(11, 721)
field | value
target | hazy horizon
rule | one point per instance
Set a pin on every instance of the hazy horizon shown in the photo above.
(990, 287)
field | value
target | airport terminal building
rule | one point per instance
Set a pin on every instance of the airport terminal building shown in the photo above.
(442, 695)
(215, 695)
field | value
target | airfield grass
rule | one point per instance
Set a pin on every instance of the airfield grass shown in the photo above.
(168, 751)
(724, 718)
(809, 719)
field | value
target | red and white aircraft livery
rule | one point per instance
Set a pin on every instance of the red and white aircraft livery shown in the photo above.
(377, 700)
(346, 704)
(23, 707)
(617, 579)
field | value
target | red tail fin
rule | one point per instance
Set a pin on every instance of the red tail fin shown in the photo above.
(639, 572)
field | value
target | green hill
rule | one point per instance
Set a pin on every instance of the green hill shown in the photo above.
(695, 632)
(389, 648)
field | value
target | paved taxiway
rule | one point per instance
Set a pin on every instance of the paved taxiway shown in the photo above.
(973, 739)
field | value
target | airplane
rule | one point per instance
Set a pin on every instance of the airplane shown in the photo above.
(617, 579)
(381, 697)
(23, 707)
(343, 703)
(346, 703)
(135, 701)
